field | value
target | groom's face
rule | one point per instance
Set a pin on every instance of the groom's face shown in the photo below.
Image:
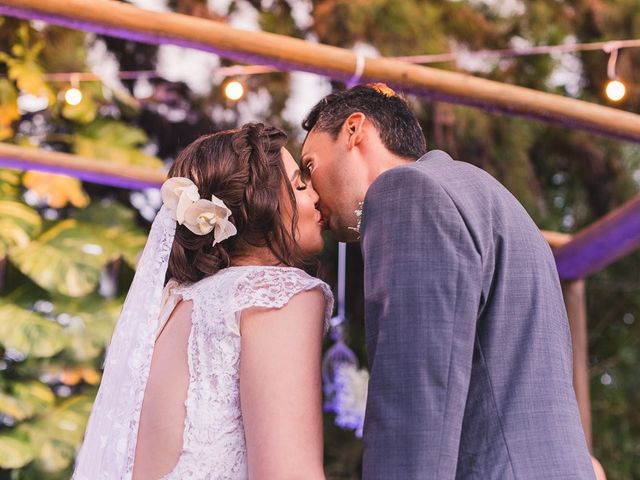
(337, 177)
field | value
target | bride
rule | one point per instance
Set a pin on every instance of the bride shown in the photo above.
(213, 371)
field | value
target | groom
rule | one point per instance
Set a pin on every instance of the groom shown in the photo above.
(467, 336)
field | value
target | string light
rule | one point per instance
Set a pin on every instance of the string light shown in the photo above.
(73, 95)
(234, 90)
(525, 51)
(416, 59)
(615, 89)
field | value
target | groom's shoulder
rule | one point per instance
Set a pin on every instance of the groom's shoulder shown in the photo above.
(435, 174)
(400, 181)
(426, 172)
(440, 165)
(454, 176)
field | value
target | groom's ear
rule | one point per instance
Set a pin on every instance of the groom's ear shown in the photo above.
(354, 128)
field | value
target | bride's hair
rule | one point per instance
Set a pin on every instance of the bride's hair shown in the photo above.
(243, 168)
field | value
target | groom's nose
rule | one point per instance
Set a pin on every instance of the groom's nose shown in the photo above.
(315, 198)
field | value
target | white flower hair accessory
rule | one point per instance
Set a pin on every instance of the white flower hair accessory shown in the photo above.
(199, 215)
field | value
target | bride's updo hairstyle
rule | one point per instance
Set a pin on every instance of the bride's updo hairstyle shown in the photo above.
(244, 169)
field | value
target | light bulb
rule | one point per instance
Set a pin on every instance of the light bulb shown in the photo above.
(73, 96)
(234, 90)
(615, 90)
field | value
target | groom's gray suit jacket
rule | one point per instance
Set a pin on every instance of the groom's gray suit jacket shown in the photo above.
(467, 334)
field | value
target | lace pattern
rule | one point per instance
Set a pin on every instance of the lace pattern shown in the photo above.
(213, 438)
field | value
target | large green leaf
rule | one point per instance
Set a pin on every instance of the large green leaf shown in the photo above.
(65, 259)
(92, 327)
(29, 333)
(23, 65)
(9, 112)
(57, 434)
(25, 399)
(10, 183)
(19, 223)
(120, 233)
(115, 142)
(15, 450)
(89, 324)
(85, 111)
(30, 78)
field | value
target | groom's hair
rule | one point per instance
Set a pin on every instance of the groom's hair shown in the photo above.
(398, 127)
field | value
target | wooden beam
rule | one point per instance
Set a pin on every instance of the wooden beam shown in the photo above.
(126, 21)
(89, 169)
(556, 239)
(576, 256)
(607, 240)
(574, 299)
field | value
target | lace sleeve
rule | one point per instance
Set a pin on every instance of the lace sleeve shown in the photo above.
(274, 287)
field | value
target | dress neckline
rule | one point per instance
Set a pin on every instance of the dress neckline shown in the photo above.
(184, 287)
(255, 266)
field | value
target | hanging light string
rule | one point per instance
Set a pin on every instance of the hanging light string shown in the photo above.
(135, 74)
(526, 51)
(342, 276)
(615, 89)
(608, 47)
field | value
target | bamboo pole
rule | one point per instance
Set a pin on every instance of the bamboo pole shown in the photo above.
(122, 20)
(123, 176)
(602, 243)
(574, 299)
(89, 169)
(577, 256)
(556, 239)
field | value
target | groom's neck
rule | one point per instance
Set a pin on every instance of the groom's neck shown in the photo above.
(384, 162)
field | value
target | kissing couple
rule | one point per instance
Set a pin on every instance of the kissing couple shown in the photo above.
(213, 371)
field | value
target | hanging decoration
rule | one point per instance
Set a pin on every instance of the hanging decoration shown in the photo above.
(344, 383)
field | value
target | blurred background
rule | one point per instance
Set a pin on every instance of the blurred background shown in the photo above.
(68, 248)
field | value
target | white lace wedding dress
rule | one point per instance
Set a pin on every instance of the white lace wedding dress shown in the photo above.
(213, 438)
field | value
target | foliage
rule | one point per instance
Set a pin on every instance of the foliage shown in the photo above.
(63, 245)
(68, 248)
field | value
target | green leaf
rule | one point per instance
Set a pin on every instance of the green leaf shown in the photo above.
(85, 111)
(23, 66)
(26, 399)
(10, 183)
(119, 230)
(29, 333)
(9, 112)
(86, 340)
(15, 450)
(19, 223)
(56, 435)
(116, 132)
(66, 259)
(114, 141)
(29, 77)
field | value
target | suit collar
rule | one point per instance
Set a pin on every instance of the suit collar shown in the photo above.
(434, 154)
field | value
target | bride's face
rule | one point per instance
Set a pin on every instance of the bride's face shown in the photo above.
(310, 223)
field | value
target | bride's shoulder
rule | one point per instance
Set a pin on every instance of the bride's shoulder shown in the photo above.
(275, 280)
(241, 287)
(275, 286)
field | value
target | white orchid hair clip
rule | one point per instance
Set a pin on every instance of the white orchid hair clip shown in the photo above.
(199, 215)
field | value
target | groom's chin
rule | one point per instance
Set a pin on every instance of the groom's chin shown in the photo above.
(346, 235)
